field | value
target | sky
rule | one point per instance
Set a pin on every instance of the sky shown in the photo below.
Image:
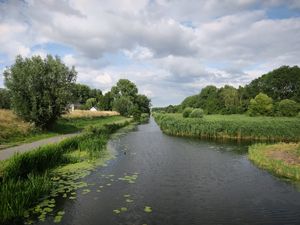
(169, 48)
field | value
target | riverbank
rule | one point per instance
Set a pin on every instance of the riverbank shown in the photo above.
(281, 159)
(236, 127)
(35, 178)
(14, 131)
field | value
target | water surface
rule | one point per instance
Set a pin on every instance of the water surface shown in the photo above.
(184, 181)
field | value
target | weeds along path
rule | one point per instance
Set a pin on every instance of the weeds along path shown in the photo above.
(9, 152)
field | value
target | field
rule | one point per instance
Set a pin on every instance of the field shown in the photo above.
(281, 159)
(239, 127)
(51, 170)
(14, 131)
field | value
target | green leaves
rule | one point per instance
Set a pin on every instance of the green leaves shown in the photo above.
(40, 88)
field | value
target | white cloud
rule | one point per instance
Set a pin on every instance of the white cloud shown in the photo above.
(172, 48)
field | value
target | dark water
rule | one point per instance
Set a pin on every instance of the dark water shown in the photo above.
(184, 181)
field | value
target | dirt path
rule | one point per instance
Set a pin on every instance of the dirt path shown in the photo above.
(8, 152)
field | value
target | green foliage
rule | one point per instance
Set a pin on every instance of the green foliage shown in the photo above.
(229, 99)
(287, 107)
(187, 111)
(279, 84)
(127, 101)
(5, 101)
(238, 127)
(261, 105)
(105, 101)
(91, 102)
(123, 105)
(197, 113)
(81, 93)
(18, 195)
(40, 88)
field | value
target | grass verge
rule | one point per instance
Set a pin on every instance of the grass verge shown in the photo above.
(281, 159)
(30, 181)
(14, 131)
(238, 127)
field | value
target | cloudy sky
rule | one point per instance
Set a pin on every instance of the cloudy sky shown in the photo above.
(169, 48)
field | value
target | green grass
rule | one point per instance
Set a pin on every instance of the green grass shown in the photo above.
(28, 177)
(62, 126)
(239, 127)
(280, 159)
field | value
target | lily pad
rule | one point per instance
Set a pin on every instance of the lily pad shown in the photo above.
(147, 209)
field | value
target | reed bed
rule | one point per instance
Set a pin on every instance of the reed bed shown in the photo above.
(238, 127)
(280, 159)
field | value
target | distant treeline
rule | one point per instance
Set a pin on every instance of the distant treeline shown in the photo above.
(278, 85)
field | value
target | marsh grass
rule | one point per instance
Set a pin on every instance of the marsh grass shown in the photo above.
(26, 178)
(238, 127)
(280, 159)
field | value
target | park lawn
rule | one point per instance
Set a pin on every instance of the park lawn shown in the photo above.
(239, 127)
(14, 131)
(281, 159)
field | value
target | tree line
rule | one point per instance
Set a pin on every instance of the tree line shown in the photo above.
(40, 90)
(276, 93)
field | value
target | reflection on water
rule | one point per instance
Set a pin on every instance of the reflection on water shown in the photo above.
(159, 179)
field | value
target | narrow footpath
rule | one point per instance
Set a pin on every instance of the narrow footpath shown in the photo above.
(9, 152)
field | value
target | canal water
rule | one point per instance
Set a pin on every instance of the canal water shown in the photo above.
(157, 179)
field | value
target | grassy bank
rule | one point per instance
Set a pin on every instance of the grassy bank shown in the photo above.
(239, 127)
(14, 131)
(281, 159)
(31, 181)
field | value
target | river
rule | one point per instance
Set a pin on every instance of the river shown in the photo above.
(157, 179)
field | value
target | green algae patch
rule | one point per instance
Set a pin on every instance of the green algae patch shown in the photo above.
(147, 209)
(129, 179)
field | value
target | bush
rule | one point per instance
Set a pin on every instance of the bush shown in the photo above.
(261, 105)
(197, 113)
(287, 107)
(187, 111)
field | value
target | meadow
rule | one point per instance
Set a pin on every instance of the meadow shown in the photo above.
(34, 177)
(14, 131)
(282, 159)
(238, 127)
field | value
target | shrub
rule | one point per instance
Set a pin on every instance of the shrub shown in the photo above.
(187, 111)
(261, 105)
(197, 113)
(287, 107)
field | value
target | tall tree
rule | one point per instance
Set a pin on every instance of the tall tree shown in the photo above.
(40, 88)
(5, 101)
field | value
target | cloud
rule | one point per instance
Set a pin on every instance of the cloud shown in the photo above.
(171, 49)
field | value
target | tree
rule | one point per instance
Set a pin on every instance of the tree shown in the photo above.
(91, 102)
(230, 99)
(143, 103)
(209, 100)
(126, 99)
(40, 88)
(81, 93)
(125, 88)
(261, 105)
(123, 105)
(5, 101)
(105, 102)
(279, 84)
(288, 107)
